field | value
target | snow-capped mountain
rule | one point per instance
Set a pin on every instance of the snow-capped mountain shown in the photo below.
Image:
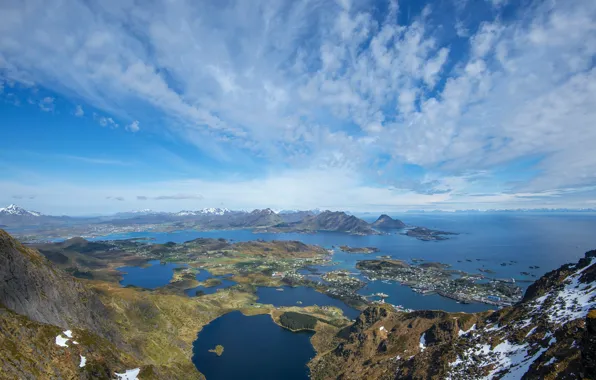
(18, 211)
(205, 211)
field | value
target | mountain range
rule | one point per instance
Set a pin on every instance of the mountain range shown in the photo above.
(214, 218)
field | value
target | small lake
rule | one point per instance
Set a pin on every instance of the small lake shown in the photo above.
(204, 275)
(254, 348)
(150, 277)
(307, 296)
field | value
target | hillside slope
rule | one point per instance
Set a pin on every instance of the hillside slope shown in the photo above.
(32, 286)
(542, 337)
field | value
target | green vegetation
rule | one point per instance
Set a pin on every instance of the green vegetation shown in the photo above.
(218, 350)
(297, 321)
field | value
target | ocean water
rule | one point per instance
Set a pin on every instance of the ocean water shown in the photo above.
(484, 242)
(254, 348)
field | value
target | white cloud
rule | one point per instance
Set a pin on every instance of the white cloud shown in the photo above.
(47, 104)
(133, 127)
(326, 85)
(79, 111)
(105, 121)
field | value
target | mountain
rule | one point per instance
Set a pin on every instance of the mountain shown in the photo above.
(17, 211)
(205, 211)
(291, 216)
(336, 221)
(30, 285)
(14, 215)
(385, 221)
(550, 334)
(259, 218)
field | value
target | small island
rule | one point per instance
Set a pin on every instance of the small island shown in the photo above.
(348, 249)
(218, 350)
(426, 234)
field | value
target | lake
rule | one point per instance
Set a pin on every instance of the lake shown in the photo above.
(152, 276)
(307, 296)
(254, 348)
(485, 241)
(204, 275)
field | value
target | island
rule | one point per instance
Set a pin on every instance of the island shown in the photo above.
(385, 221)
(348, 249)
(426, 234)
(218, 350)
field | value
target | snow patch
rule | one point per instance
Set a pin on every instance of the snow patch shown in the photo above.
(462, 332)
(572, 302)
(83, 361)
(61, 341)
(130, 374)
(422, 343)
(68, 333)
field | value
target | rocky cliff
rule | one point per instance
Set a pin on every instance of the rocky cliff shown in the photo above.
(550, 334)
(32, 286)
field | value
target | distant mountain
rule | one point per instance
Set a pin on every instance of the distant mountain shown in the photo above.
(259, 218)
(336, 221)
(14, 210)
(295, 216)
(205, 211)
(385, 221)
(14, 215)
(136, 214)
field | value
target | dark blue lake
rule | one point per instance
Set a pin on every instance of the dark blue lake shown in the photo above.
(485, 241)
(254, 348)
(150, 277)
(307, 296)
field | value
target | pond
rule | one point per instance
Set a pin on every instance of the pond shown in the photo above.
(254, 348)
(152, 276)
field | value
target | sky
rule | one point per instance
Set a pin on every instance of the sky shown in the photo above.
(345, 105)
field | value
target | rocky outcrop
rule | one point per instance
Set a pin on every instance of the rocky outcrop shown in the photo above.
(588, 346)
(550, 334)
(32, 286)
(385, 221)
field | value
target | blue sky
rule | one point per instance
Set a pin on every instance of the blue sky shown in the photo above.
(347, 105)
